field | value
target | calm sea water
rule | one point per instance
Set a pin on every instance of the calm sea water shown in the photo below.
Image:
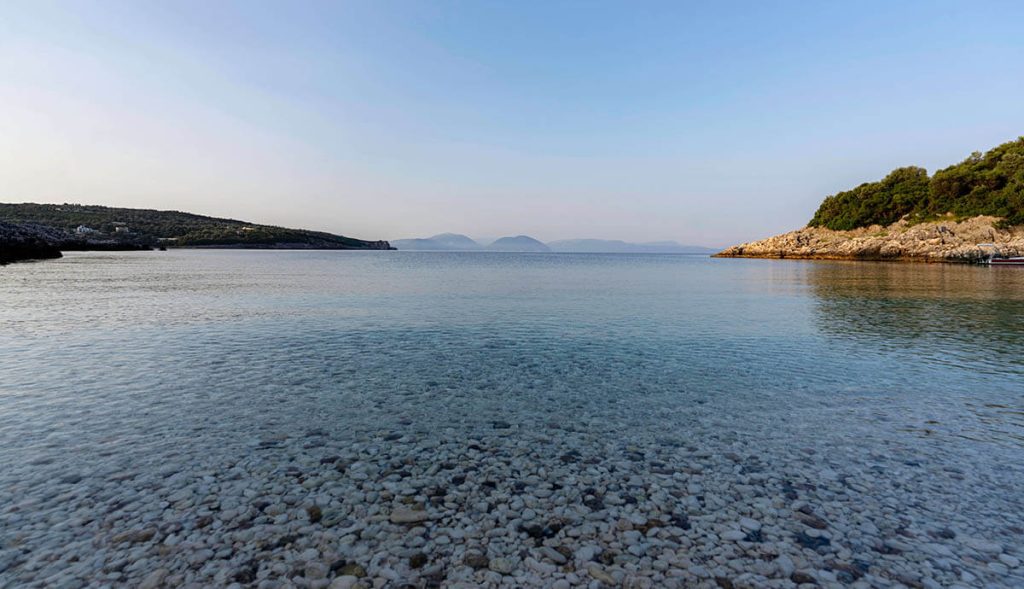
(127, 360)
(224, 329)
(507, 329)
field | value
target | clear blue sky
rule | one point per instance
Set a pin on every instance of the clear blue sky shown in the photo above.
(703, 122)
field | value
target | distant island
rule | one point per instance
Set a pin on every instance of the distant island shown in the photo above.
(525, 243)
(439, 243)
(70, 227)
(910, 216)
(518, 243)
(455, 242)
(614, 246)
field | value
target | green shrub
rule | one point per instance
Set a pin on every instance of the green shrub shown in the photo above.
(983, 184)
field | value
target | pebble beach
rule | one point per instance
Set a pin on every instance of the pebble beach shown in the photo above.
(546, 503)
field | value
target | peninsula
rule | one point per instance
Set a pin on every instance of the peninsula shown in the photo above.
(909, 216)
(33, 229)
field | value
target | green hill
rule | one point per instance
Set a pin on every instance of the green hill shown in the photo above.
(152, 227)
(983, 184)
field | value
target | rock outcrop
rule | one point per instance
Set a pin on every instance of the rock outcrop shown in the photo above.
(938, 241)
(28, 242)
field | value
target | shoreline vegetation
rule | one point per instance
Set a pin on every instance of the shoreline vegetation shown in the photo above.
(31, 231)
(909, 216)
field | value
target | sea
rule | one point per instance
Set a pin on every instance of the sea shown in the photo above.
(889, 397)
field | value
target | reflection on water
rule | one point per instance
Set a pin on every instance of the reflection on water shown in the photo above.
(600, 326)
(966, 316)
(954, 320)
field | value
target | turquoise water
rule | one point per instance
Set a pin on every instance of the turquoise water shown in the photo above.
(510, 332)
(114, 361)
(701, 326)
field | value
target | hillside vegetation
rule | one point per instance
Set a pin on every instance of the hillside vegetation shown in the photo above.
(983, 184)
(173, 227)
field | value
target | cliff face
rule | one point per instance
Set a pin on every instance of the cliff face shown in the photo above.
(27, 242)
(940, 241)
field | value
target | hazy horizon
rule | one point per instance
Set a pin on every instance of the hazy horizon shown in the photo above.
(704, 125)
(487, 239)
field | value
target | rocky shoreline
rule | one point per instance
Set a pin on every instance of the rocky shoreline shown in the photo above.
(938, 241)
(19, 243)
(504, 506)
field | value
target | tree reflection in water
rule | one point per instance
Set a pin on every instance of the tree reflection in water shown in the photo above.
(968, 316)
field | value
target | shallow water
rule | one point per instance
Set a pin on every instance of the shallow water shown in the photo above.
(897, 374)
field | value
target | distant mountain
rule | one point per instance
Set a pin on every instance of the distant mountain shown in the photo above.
(440, 242)
(524, 243)
(614, 246)
(97, 227)
(519, 243)
(455, 240)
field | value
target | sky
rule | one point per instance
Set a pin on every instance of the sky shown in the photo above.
(702, 122)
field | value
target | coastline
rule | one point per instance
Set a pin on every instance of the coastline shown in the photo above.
(76, 227)
(944, 241)
(24, 243)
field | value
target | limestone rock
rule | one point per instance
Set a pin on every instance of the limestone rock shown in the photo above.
(937, 241)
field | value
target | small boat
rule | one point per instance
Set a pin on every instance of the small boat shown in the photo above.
(997, 258)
